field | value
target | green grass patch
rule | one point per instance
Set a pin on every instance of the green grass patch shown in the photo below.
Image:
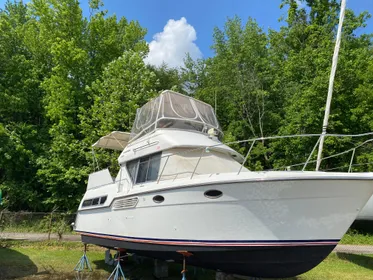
(342, 266)
(355, 237)
(32, 222)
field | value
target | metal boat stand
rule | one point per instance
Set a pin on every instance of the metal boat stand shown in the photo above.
(117, 273)
(185, 255)
(83, 262)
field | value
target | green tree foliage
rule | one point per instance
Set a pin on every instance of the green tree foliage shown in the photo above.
(55, 65)
(276, 83)
(239, 80)
(168, 78)
(66, 80)
(307, 45)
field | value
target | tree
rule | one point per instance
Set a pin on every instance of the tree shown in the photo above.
(50, 57)
(21, 113)
(238, 78)
(303, 50)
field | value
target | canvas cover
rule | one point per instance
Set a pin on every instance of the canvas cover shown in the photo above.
(116, 140)
(174, 110)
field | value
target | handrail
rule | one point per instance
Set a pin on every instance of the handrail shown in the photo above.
(191, 176)
(268, 138)
(255, 140)
(352, 159)
(247, 155)
(309, 157)
(160, 175)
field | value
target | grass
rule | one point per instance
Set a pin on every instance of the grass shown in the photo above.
(47, 260)
(56, 260)
(342, 266)
(35, 223)
(357, 237)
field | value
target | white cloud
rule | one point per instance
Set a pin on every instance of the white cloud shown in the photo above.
(171, 45)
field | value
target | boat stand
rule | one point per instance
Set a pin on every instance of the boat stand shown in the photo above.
(83, 262)
(117, 273)
(185, 255)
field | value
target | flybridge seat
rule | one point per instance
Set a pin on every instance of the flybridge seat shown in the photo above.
(116, 140)
(177, 111)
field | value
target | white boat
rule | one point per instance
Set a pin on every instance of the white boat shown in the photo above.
(180, 189)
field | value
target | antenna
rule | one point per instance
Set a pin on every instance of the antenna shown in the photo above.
(331, 83)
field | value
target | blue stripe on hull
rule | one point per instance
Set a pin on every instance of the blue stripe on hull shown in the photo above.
(214, 242)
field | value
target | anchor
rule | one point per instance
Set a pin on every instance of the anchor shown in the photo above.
(83, 262)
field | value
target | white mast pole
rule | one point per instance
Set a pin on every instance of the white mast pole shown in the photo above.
(331, 83)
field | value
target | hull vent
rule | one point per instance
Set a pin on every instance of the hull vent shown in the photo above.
(125, 203)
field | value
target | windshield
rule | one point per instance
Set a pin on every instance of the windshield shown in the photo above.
(177, 111)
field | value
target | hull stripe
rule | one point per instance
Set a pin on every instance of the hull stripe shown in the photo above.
(215, 243)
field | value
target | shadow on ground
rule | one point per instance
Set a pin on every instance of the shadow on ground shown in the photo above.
(365, 227)
(14, 264)
(361, 260)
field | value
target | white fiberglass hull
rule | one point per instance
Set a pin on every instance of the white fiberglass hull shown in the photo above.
(366, 213)
(275, 216)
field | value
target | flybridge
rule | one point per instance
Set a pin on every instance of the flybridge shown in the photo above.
(169, 110)
(174, 110)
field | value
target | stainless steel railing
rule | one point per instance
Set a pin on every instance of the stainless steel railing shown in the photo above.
(253, 141)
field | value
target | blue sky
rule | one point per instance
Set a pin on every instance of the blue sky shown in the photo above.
(201, 16)
(204, 15)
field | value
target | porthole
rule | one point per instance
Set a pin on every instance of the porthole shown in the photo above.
(213, 194)
(158, 199)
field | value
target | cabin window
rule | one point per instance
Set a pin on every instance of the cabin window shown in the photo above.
(87, 202)
(103, 199)
(95, 201)
(132, 169)
(144, 169)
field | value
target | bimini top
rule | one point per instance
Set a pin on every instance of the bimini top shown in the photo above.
(177, 111)
(116, 140)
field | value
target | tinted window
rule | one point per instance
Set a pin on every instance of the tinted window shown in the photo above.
(153, 170)
(95, 201)
(87, 202)
(103, 199)
(144, 169)
(132, 169)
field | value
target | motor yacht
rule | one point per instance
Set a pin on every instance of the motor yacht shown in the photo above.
(179, 188)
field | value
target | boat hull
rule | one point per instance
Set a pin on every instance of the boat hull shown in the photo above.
(263, 227)
(366, 213)
(269, 261)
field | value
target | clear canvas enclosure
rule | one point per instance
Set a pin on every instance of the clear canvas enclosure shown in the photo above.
(177, 111)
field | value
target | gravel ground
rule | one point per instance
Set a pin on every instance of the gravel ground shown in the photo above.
(37, 236)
